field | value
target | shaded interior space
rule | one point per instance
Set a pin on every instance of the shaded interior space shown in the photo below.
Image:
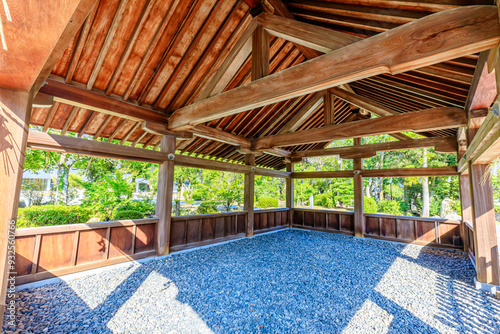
(293, 281)
(257, 88)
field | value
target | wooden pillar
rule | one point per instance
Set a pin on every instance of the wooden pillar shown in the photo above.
(465, 203)
(248, 201)
(289, 194)
(359, 226)
(329, 109)
(14, 121)
(260, 53)
(483, 218)
(164, 196)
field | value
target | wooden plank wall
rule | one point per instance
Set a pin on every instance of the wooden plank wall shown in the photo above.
(194, 231)
(416, 230)
(324, 220)
(45, 252)
(270, 220)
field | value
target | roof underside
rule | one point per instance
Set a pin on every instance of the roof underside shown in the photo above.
(162, 54)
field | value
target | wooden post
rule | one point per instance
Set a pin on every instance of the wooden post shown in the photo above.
(329, 109)
(14, 121)
(359, 226)
(289, 193)
(483, 218)
(164, 196)
(260, 53)
(248, 201)
(465, 203)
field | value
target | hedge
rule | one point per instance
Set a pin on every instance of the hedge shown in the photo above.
(267, 202)
(127, 214)
(48, 215)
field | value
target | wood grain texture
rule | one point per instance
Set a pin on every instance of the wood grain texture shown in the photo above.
(462, 31)
(423, 120)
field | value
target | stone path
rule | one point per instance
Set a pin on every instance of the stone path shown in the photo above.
(290, 281)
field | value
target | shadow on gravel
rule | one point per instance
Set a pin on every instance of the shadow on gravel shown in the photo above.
(292, 281)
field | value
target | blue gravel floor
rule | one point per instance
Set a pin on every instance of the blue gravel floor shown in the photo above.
(287, 282)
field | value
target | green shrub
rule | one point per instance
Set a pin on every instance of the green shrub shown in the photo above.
(324, 200)
(127, 214)
(370, 205)
(146, 207)
(207, 207)
(389, 207)
(497, 208)
(48, 215)
(267, 202)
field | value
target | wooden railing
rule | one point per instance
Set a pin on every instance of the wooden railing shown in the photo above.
(270, 219)
(194, 231)
(324, 220)
(418, 230)
(45, 252)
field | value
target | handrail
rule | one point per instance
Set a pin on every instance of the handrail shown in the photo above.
(270, 210)
(425, 219)
(327, 211)
(469, 225)
(209, 215)
(20, 232)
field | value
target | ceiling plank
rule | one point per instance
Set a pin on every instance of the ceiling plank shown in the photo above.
(423, 120)
(303, 113)
(462, 31)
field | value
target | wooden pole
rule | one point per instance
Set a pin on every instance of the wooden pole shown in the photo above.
(483, 218)
(359, 226)
(248, 201)
(14, 119)
(260, 53)
(164, 196)
(289, 194)
(465, 202)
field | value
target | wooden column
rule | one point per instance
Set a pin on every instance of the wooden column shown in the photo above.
(14, 121)
(248, 201)
(289, 193)
(465, 203)
(164, 196)
(483, 217)
(260, 53)
(359, 226)
(329, 109)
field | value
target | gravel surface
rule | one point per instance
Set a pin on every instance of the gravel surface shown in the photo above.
(290, 281)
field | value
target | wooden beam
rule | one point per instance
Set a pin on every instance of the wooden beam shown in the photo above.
(312, 36)
(164, 196)
(248, 201)
(15, 115)
(260, 53)
(485, 146)
(397, 172)
(483, 90)
(207, 132)
(423, 120)
(161, 129)
(329, 109)
(57, 143)
(279, 152)
(84, 98)
(303, 113)
(441, 144)
(462, 30)
(359, 226)
(483, 217)
(231, 65)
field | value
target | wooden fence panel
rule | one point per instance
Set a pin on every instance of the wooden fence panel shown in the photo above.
(423, 231)
(324, 220)
(270, 219)
(45, 252)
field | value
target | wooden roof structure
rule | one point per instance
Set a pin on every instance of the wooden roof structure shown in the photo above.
(154, 57)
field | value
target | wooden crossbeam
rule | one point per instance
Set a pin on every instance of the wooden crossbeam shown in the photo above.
(441, 144)
(207, 132)
(423, 120)
(303, 113)
(441, 36)
(84, 98)
(396, 172)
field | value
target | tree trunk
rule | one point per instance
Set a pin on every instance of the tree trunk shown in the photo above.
(425, 188)
(381, 166)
